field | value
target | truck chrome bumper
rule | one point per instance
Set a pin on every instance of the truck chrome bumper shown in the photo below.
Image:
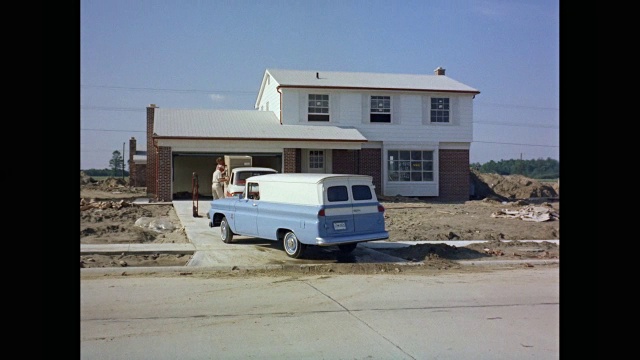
(338, 240)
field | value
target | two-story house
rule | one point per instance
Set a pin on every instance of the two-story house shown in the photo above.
(411, 133)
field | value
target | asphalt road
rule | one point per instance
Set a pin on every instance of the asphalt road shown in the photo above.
(508, 314)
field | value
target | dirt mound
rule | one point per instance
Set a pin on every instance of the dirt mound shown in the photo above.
(114, 182)
(511, 187)
(106, 183)
(499, 188)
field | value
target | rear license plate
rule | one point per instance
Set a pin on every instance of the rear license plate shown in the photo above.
(339, 226)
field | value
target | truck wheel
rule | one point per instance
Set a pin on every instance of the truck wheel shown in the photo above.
(347, 248)
(292, 246)
(225, 232)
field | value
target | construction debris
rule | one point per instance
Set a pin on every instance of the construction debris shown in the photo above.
(92, 204)
(529, 213)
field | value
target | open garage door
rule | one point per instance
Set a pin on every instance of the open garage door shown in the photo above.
(204, 164)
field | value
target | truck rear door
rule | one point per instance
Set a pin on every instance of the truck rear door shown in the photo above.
(367, 216)
(338, 211)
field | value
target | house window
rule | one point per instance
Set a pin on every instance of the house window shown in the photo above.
(380, 109)
(410, 165)
(318, 107)
(439, 110)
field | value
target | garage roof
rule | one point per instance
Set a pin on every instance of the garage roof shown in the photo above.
(241, 124)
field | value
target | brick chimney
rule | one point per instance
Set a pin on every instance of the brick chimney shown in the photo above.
(151, 153)
(132, 148)
(439, 70)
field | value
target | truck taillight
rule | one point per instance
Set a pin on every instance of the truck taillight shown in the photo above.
(321, 212)
(380, 208)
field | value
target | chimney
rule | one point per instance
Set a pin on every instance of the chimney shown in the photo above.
(317, 75)
(439, 70)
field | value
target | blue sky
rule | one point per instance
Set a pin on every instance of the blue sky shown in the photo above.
(211, 54)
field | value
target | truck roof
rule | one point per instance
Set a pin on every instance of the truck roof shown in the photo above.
(309, 178)
(253, 168)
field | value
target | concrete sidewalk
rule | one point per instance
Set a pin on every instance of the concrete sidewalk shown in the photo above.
(209, 251)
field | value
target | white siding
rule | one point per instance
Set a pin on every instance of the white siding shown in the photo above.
(396, 110)
(271, 96)
(410, 115)
(350, 111)
(410, 110)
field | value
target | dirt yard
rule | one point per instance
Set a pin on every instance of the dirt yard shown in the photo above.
(507, 208)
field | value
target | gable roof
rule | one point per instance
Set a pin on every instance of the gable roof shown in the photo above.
(241, 125)
(361, 80)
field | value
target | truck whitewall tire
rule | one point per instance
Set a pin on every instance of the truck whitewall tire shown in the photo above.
(292, 246)
(225, 232)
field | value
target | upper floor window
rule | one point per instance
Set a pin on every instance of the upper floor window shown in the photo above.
(380, 109)
(410, 165)
(318, 107)
(440, 110)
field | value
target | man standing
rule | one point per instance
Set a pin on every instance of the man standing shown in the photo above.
(217, 190)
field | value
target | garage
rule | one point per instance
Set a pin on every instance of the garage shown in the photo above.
(185, 165)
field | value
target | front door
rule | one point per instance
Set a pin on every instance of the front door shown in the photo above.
(316, 161)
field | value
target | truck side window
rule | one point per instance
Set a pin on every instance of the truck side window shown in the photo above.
(253, 191)
(337, 193)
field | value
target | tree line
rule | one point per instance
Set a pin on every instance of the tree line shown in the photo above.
(536, 169)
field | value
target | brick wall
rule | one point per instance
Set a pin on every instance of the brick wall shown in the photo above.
(363, 162)
(454, 175)
(137, 172)
(345, 162)
(141, 175)
(292, 160)
(164, 174)
(370, 160)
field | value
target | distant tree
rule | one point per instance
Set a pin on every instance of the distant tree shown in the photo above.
(115, 164)
(535, 169)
